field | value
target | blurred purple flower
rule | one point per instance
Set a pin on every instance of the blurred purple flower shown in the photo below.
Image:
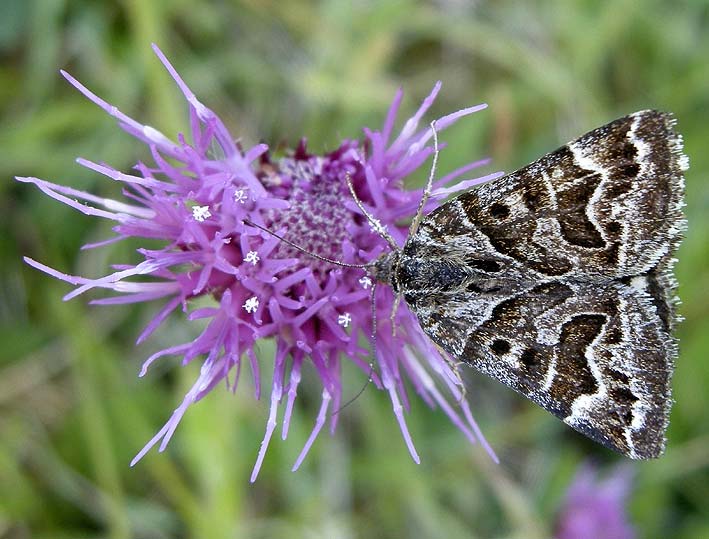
(596, 508)
(195, 196)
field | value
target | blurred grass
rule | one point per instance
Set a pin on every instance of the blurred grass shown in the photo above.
(73, 412)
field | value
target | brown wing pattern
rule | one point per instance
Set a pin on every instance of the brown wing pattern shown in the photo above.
(559, 280)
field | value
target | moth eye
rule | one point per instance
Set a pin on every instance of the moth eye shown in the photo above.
(500, 347)
(499, 211)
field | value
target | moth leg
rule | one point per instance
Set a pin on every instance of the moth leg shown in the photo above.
(371, 374)
(394, 310)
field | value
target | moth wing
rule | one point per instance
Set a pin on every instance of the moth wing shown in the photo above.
(607, 204)
(595, 222)
(596, 357)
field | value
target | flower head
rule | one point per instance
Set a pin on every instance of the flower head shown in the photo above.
(198, 194)
(596, 508)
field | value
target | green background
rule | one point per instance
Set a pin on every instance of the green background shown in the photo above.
(72, 410)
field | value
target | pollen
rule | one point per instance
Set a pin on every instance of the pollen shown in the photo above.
(201, 213)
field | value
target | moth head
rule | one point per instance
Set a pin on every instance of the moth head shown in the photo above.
(383, 269)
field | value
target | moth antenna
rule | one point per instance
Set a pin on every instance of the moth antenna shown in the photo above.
(343, 264)
(305, 251)
(429, 185)
(374, 353)
(374, 223)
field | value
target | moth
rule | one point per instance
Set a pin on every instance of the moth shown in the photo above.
(557, 279)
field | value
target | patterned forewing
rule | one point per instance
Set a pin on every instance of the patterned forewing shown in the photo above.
(607, 204)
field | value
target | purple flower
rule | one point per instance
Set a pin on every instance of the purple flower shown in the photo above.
(195, 196)
(596, 508)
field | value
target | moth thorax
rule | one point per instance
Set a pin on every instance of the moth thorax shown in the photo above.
(383, 270)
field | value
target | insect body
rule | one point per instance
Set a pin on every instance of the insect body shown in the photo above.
(557, 279)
